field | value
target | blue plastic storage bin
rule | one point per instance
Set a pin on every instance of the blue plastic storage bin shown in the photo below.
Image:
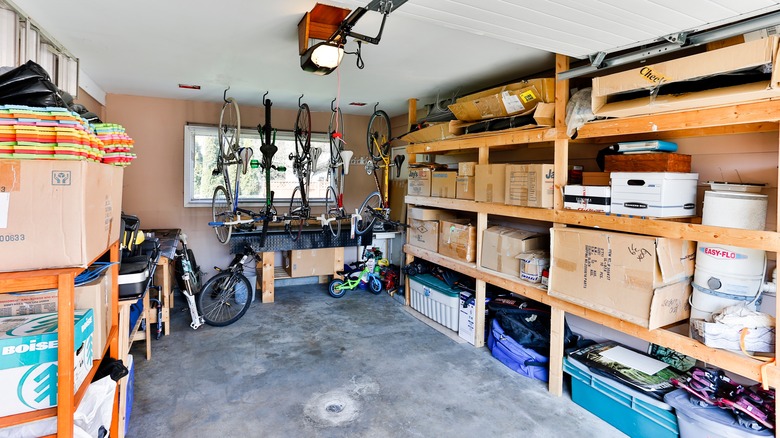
(631, 412)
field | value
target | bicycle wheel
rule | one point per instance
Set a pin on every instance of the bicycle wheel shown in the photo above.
(295, 216)
(336, 127)
(374, 285)
(225, 298)
(378, 135)
(368, 210)
(332, 211)
(303, 130)
(222, 211)
(229, 129)
(336, 288)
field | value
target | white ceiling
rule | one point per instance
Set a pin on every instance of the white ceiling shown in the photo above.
(147, 47)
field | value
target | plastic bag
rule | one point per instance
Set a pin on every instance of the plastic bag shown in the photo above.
(578, 111)
(30, 85)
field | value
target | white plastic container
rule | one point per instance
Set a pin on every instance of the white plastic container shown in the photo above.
(656, 194)
(697, 421)
(734, 210)
(434, 299)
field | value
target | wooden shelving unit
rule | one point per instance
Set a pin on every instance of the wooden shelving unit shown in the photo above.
(763, 116)
(63, 281)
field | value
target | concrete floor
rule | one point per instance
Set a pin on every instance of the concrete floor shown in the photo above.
(310, 365)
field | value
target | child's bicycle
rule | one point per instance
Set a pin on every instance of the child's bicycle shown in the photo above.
(352, 278)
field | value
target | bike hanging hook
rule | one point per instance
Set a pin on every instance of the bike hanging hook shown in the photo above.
(376, 106)
(332, 102)
(266, 94)
(299, 100)
(224, 94)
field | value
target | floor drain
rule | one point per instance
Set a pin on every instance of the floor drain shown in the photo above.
(334, 408)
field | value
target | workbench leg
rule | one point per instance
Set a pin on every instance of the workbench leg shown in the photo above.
(166, 295)
(267, 275)
(338, 260)
(148, 331)
(557, 321)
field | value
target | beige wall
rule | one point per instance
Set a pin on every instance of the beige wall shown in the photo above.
(154, 182)
(91, 104)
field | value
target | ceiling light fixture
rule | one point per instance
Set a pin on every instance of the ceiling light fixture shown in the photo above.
(324, 57)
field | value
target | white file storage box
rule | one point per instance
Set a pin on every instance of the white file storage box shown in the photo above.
(434, 299)
(656, 194)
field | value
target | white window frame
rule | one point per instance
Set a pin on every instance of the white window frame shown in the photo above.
(191, 130)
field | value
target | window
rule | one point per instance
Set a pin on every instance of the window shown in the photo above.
(200, 158)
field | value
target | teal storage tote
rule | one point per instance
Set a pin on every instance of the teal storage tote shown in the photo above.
(434, 299)
(631, 412)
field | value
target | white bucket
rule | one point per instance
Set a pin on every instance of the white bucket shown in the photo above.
(734, 210)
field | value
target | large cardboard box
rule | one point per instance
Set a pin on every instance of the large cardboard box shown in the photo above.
(466, 168)
(643, 280)
(606, 89)
(437, 132)
(309, 262)
(424, 234)
(443, 184)
(490, 182)
(530, 185)
(28, 363)
(71, 206)
(95, 295)
(430, 214)
(465, 187)
(501, 104)
(501, 246)
(419, 181)
(546, 87)
(458, 240)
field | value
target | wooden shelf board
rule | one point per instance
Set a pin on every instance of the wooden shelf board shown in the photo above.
(539, 214)
(747, 128)
(497, 139)
(708, 121)
(766, 240)
(737, 363)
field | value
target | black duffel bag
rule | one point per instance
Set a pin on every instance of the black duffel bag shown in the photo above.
(29, 84)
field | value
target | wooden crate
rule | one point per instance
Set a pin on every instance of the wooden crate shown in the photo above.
(649, 162)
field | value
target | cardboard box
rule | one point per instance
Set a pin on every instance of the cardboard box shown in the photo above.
(544, 114)
(424, 234)
(466, 319)
(595, 178)
(458, 240)
(530, 185)
(466, 168)
(96, 296)
(437, 132)
(490, 182)
(587, 198)
(655, 194)
(648, 162)
(643, 280)
(502, 104)
(546, 87)
(430, 214)
(309, 262)
(502, 245)
(419, 181)
(73, 206)
(728, 59)
(465, 187)
(443, 184)
(29, 375)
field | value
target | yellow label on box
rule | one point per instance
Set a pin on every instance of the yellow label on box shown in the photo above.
(527, 96)
(651, 75)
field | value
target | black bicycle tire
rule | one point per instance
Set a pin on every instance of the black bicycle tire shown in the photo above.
(374, 127)
(335, 145)
(331, 288)
(207, 292)
(303, 133)
(230, 152)
(223, 232)
(362, 226)
(295, 221)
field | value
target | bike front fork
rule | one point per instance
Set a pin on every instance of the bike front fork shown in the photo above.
(197, 319)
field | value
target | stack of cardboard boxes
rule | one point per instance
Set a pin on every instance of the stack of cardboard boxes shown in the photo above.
(525, 185)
